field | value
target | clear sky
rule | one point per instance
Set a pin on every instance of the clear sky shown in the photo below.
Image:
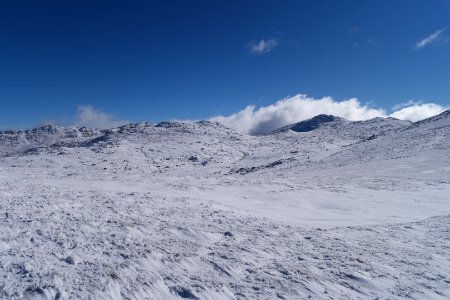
(157, 60)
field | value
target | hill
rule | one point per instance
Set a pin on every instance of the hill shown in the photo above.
(325, 208)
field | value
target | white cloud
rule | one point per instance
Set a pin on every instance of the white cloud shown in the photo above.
(253, 120)
(89, 116)
(263, 46)
(418, 111)
(432, 38)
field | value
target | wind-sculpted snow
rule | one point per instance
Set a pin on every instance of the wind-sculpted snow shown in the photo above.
(355, 210)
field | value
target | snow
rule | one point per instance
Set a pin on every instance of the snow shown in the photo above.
(195, 210)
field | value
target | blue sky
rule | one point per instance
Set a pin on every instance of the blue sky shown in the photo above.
(157, 60)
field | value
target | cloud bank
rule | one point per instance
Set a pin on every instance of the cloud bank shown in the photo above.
(253, 120)
(418, 111)
(263, 46)
(432, 38)
(89, 116)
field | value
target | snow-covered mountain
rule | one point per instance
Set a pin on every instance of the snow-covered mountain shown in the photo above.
(331, 125)
(311, 124)
(12, 142)
(324, 208)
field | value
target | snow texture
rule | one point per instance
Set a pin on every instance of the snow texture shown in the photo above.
(323, 209)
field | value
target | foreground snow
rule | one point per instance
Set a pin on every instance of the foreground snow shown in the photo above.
(197, 211)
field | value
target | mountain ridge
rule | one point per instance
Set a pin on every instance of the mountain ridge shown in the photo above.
(303, 126)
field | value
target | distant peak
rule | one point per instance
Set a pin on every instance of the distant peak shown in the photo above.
(47, 128)
(313, 123)
(208, 123)
(383, 120)
(323, 118)
(191, 125)
(309, 124)
(169, 124)
(214, 124)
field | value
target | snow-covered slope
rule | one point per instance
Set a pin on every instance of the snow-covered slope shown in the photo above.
(422, 139)
(15, 142)
(326, 208)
